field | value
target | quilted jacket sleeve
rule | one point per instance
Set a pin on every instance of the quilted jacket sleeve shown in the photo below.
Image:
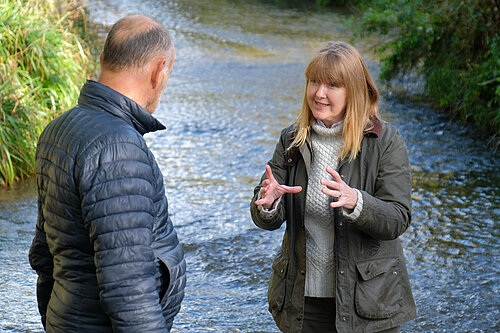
(118, 210)
(42, 262)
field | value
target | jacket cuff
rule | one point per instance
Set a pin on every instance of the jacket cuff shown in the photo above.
(352, 215)
(268, 213)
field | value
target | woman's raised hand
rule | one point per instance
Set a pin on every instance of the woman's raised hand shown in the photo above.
(346, 195)
(271, 190)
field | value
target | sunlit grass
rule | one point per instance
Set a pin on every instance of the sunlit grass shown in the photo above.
(43, 63)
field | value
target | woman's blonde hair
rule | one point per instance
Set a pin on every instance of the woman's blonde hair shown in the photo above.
(341, 64)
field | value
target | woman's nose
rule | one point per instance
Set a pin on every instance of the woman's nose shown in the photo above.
(321, 92)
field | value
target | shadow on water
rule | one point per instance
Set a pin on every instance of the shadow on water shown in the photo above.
(237, 81)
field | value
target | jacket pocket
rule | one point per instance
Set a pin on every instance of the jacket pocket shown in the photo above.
(277, 284)
(164, 278)
(378, 292)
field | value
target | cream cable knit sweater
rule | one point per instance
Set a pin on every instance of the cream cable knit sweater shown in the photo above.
(318, 220)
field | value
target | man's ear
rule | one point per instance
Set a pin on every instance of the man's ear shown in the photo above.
(157, 72)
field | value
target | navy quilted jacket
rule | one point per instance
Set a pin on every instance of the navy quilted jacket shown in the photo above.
(105, 250)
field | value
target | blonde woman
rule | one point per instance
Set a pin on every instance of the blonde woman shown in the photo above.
(340, 178)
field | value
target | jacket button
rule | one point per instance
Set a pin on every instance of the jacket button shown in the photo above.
(289, 160)
(340, 224)
(341, 272)
(344, 318)
(302, 272)
(394, 273)
(281, 270)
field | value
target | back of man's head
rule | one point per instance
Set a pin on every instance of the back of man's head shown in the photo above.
(133, 41)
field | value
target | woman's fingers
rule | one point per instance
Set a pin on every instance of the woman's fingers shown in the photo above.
(333, 193)
(336, 184)
(271, 190)
(261, 202)
(265, 199)
(346, 196)
(267, 190)
(269, 174)
(334, 174)
(291, 189)
(330, 184)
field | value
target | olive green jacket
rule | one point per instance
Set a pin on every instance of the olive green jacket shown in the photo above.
(372, 288)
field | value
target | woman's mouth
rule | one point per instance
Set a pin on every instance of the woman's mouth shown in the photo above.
(321, 105)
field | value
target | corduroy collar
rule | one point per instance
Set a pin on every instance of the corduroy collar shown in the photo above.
(376, 127)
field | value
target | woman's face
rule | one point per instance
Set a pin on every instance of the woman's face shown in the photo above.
(326, 101)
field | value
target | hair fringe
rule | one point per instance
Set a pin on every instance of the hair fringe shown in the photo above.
(347, 68)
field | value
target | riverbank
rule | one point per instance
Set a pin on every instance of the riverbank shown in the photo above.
(45, 57)
(453, 46)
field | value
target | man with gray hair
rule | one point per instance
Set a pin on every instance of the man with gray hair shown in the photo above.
(106, 253)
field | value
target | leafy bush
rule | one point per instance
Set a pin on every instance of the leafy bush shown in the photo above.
(42, 65)
(455, 45)
(337, 2)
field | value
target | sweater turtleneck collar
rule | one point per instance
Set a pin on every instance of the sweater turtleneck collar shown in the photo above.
(319, 128)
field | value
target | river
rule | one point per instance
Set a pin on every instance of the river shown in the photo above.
(237, 81)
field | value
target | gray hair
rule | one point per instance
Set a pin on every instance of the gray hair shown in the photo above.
(133, 41)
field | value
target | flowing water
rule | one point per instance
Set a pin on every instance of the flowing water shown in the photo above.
(237, 81)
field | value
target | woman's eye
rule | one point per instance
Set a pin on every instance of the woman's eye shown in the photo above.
(314, 81)
(332, 85)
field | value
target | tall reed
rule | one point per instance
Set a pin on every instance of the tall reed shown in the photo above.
(43, 62)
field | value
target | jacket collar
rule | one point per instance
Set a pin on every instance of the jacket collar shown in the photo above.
(97, 95)
(376, 127)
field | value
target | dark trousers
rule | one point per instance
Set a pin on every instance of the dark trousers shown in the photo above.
(319, 316)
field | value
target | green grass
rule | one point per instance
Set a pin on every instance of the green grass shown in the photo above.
(43, 63)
